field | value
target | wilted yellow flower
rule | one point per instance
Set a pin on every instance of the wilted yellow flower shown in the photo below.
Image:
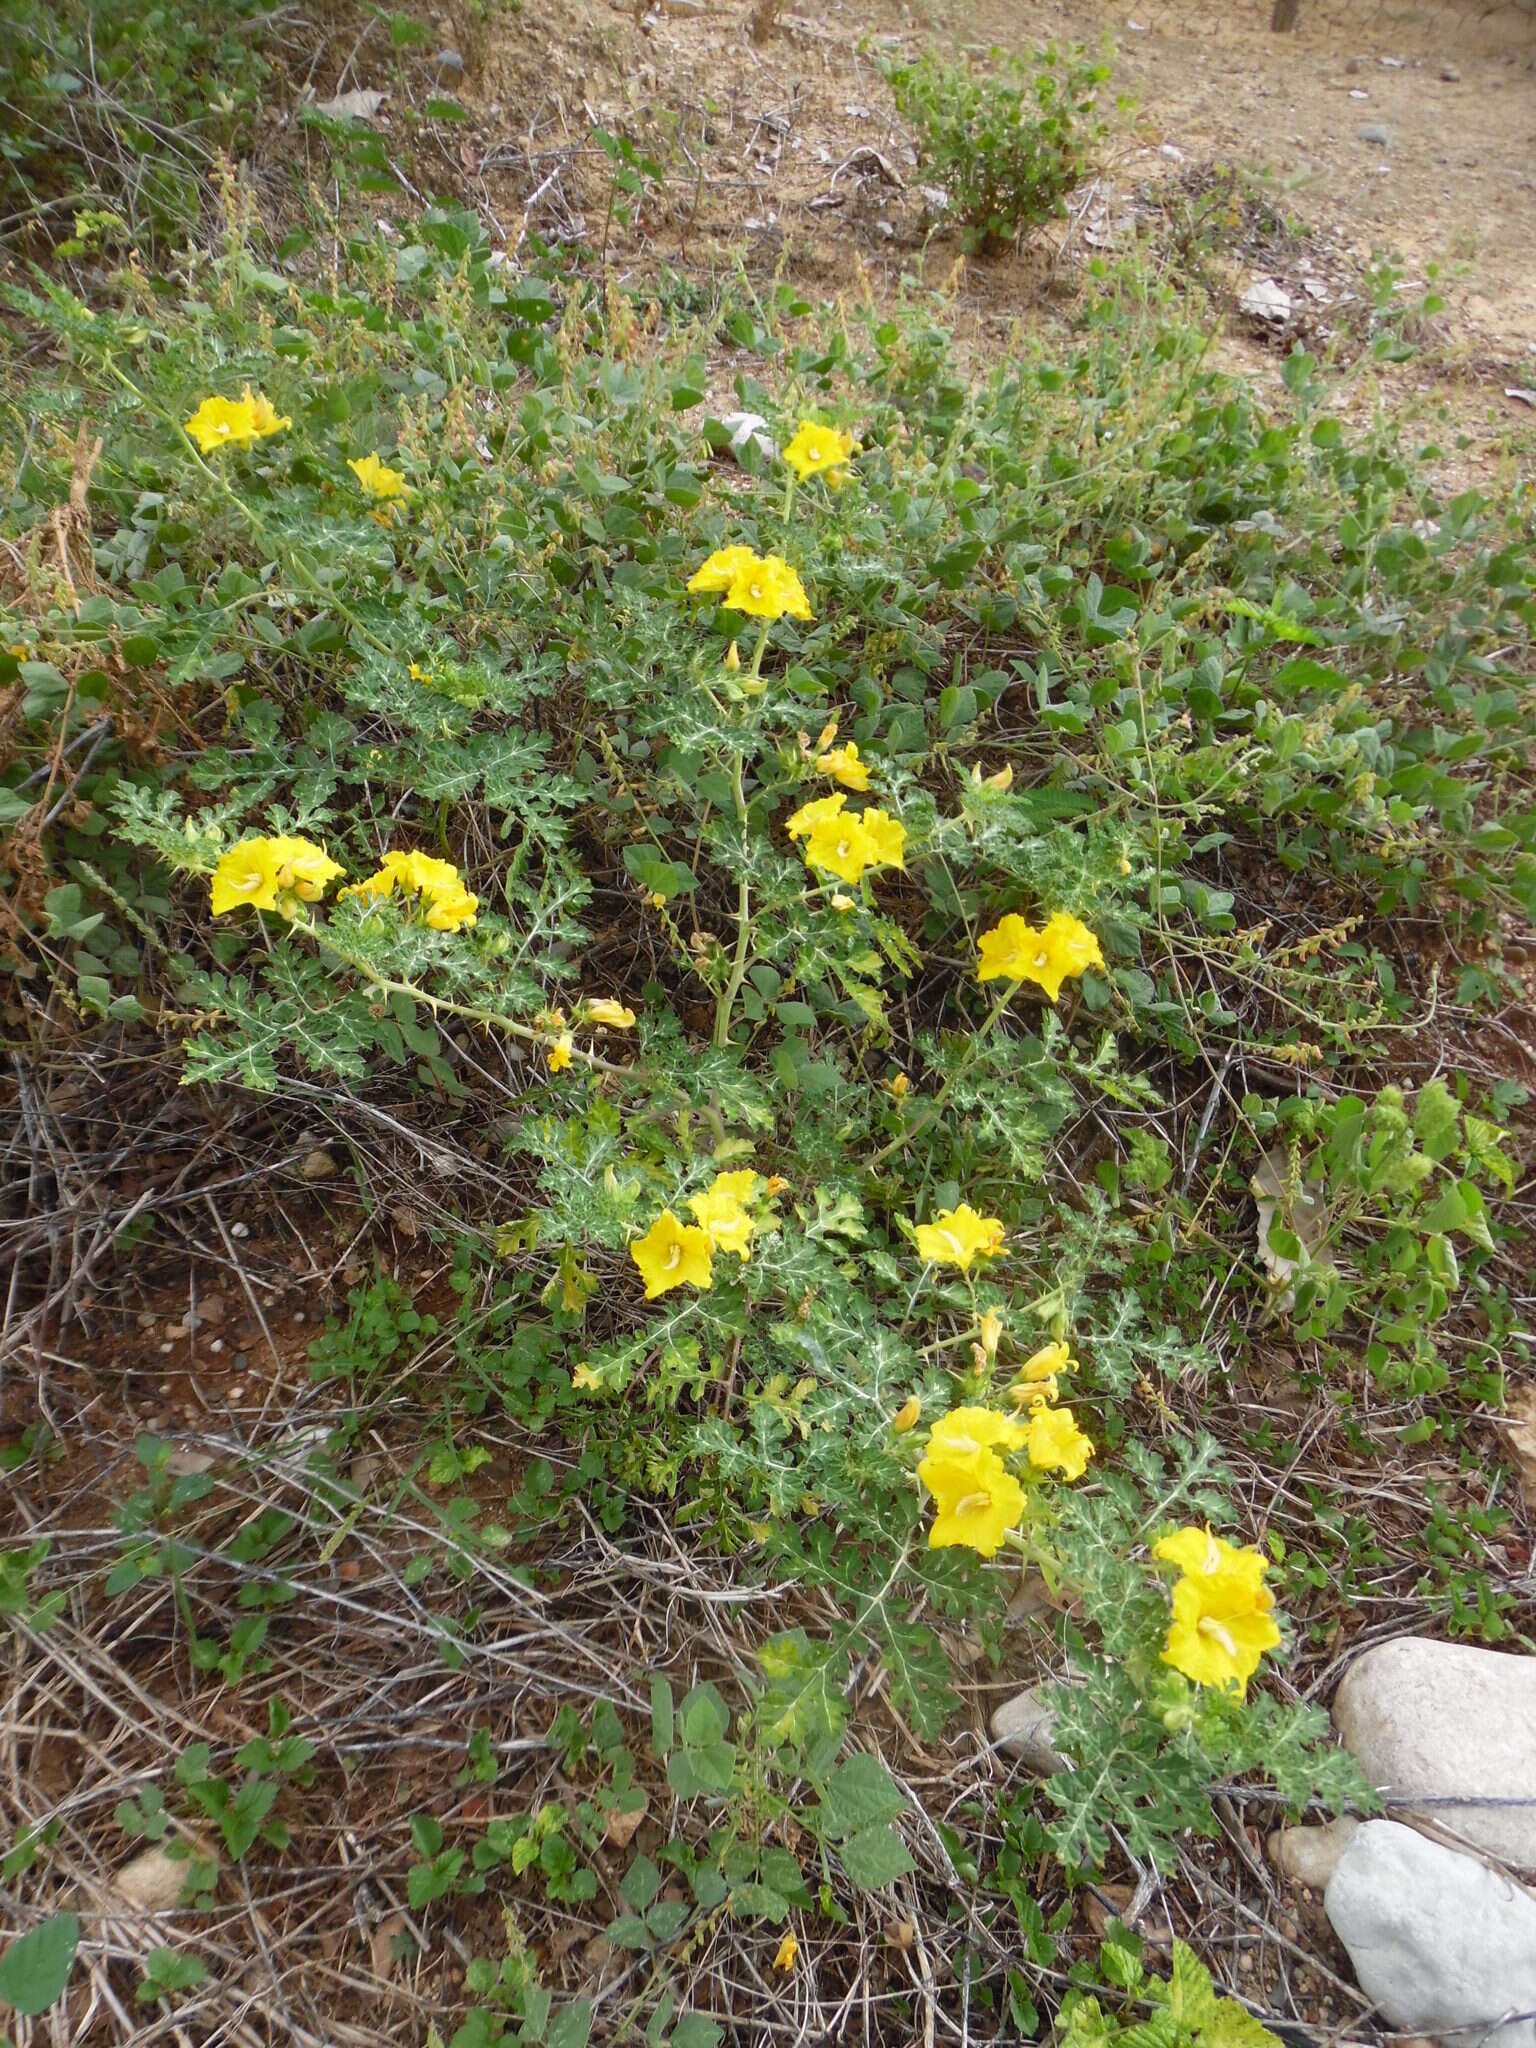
(234, 422)
(1222, 1621)
(1003, 779)
(1056, 1443)
(377, 479)
(899, 1086)
(721, 1213)
(767, 588)
(977, 1500)
(789, 1948)
(844, 766)
(908, 1415)
(604, 1010)
(672, 1254)
(557, 1054)
(447, 905)
(1037, 1377)
(818, 451)
(256, 872)
(991, 1328)
(843, 903)
(958, 1237)
(1015, 951)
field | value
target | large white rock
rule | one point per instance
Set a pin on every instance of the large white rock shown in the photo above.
(1449, 1721)
(1442, 1944)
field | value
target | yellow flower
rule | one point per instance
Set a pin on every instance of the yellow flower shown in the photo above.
(378, 480)
(908, 1415)
(767, 588)
(1201, 1555)
(720, 1214)
(956, 1237)
(815, 451)
(720, 571)
(967, 1432)
(844, 766)
(899, 1085)
(1222, 1623)
(887, 836)
(1015, 951)
(420, 675)
(584, 1378)
(604, 1010)
(991, 1328)
(789, 1948)
(977, 1500)
(672, 1254)
(448, 904)
(234, 422)
(821, 812)
(557, 1055)
(1036, 1379)
(1056, 1443)
(1003, 779)
(848, 845)
(843, 903)
(257, 872)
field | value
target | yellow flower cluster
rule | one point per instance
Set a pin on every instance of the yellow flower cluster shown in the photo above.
(761, 586)
(844, 766)
(234, 422)
(1015, 951)
(976, 1498)
(1222, 1620)
(257, 872)
(820, 451)
(845, 843)
(448, 905)
(677, 1254)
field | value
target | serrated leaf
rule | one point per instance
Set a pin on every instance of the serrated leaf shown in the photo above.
(1191, 1996)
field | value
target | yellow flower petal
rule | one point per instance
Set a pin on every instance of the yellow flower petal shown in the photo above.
(844, 766)
(721, 570)
(789, 1948)
(1056, 1443)
(977, 1501)
(377, 479)
(815, 451)
(605, 1011)
(1015, 951)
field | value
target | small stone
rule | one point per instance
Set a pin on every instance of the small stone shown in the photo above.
(242, 1361)
(1450, 74)
(1374, 132)
(317, 1165)
(239, 1230)
(152, 1881)
(1022, 1727)
(1355, 66)
(1440, 1943)
(449, 61)
(1454, 1724)
(1310, 1856)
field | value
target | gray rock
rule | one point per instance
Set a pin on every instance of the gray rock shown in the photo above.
(1441, 1943)
(451, 62)
(1310, 1856)
(1374, 132)
(1022, 1727)
(1449, 1722)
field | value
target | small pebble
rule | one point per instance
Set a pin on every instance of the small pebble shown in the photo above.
(166, 1350)
(242, 1362)
(1450, 74)
(217, 1344)
(239, 1230)
(1355, 64)
(1374, 132)
(298, 1315)
(449, 60)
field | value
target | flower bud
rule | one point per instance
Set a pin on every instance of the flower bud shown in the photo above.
(907, 1415)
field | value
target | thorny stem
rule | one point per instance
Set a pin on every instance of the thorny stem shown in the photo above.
(931, 1112)
(727, 998)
